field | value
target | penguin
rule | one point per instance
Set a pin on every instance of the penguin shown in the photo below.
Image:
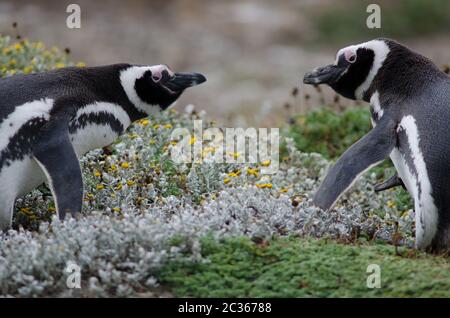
(48, 120)
(409, 101)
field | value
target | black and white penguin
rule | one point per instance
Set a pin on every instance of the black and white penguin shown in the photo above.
(48, 120)
(410, 105)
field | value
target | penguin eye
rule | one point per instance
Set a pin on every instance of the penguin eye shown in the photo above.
(350, 57)
(156, 77)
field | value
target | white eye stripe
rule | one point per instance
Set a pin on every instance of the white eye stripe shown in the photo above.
(128, 79)
(380, 49)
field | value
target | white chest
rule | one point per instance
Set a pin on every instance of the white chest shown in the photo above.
(415, 177)
(95, 124)
(20, 177)
(92, 136)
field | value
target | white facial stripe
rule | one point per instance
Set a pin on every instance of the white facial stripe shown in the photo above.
(375, 103)
(128, 79)
(22, 114)
(381, 50)
(101, 107)
(425, 209)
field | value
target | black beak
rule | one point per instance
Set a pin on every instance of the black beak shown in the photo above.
(180, 81)
(324, 75)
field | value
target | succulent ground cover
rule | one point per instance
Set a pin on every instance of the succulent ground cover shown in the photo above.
(207, 229)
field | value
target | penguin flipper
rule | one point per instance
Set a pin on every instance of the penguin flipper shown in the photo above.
(57, 158)
(392, 182)
(370, 150)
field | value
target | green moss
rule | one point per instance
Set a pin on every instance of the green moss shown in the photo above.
(329, 133)
(294, 267)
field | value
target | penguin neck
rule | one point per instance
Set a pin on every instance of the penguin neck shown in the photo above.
(105, 81)
(404, 74)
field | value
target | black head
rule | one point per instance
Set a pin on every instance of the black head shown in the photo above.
(155, 88)
(353, 70)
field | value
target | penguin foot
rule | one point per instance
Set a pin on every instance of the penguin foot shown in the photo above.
(392, 182)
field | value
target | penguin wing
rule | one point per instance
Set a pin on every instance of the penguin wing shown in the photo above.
(57, 158)
(365, 153)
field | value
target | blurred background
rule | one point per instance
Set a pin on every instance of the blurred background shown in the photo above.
(254, 52)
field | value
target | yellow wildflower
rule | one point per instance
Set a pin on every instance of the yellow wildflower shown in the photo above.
(144, 122)
(27, 69)
(234, 174)
(39, 45)
(116, 209)
(130, 183)
(155, 126)
(97, 173)
(100, 186)
(390, 204)
(209, 149)
(284, 190)
(60, 65)
(26, 211)
(52, 209)
(227, 180)
(192, 140)
(80, 64)
(119, 186)
(253, 172)
(113, 167)
(125, 165)
(264, 185)
(265, 163)
(168, 126)
(17, 46)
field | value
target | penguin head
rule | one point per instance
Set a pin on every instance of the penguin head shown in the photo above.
(155, 88)
(354, 69)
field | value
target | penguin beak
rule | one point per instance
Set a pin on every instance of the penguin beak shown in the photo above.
(180, 81)
(324, 75)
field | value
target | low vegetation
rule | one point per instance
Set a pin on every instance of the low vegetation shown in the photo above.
(208, 229)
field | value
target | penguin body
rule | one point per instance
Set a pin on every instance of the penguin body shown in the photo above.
(48, 120)
(409, 100)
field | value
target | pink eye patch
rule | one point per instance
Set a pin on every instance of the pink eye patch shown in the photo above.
(157, 71)
(350, 56)
(157, 74)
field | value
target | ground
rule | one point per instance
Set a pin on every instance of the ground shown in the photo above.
(155, 227)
